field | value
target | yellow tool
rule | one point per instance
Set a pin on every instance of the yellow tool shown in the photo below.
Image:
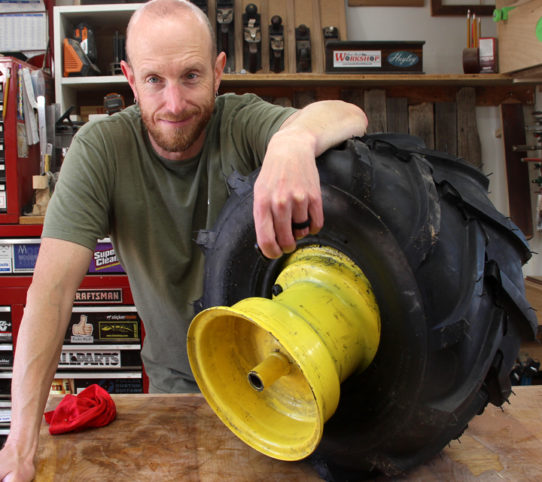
(271, 369)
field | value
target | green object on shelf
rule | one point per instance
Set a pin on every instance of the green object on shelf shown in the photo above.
(538, 29)
(500, 14)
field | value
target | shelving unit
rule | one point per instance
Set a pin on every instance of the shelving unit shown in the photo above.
(105, 19)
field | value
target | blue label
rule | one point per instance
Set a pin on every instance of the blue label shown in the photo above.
(24, 256)
(403, 59)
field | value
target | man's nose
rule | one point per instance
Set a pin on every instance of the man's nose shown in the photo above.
(175, 97)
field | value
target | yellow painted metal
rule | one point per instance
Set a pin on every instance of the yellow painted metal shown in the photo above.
(275, 366)
(271, 369)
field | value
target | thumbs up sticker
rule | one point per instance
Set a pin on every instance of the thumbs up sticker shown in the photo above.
(82, 331)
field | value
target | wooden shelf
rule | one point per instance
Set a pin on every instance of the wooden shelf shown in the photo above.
(302, 80)
(530, 75)
(360, 80)
(491, 89)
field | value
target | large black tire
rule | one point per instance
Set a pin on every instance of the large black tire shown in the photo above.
(445, 267)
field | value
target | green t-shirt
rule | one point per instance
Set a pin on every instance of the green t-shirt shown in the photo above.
(112, 183)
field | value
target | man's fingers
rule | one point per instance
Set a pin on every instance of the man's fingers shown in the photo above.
(316, 214)
(265, 232)
(300, 219)
(282, 221)
(279, 225)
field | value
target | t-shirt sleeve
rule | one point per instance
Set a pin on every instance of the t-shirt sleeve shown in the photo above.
(79, 208)
(250, 123)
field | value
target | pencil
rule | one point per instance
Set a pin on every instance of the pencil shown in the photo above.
(474, 34)
(468, 30)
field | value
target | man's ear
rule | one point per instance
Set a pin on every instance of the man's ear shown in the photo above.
(220, 63)
(129, 74)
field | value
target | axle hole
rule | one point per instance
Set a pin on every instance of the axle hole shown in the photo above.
(255, 381)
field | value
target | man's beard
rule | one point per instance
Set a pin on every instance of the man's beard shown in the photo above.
(182, 138)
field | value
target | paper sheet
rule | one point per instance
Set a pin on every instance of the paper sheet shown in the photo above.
(23, 26)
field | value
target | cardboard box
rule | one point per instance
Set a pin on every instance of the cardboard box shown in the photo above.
(385, 57)
(488, 55)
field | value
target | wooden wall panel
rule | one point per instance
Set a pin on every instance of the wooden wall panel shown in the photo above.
(397, 114)
(468, 140)
(446, 127)
(421, 122)
(375, 108)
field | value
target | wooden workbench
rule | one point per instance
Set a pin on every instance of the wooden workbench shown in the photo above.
(178, 437)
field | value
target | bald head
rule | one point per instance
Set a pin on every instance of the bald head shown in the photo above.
(159, 10)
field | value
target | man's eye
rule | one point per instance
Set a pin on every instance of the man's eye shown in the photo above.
(152, 80)
(192, 76)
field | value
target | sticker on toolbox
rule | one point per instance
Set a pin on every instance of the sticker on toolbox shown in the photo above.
(99, 296)
(25, 256)
(5, 386)
(5, 325)
(6, 359)
(360, 58)
(19, 256)
(100, 357)
(5, 258)
(103, 325)
(111, 385)
(112, 382)
(90, 359)
(105, 259)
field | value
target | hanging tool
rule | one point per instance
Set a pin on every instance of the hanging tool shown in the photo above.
(303, 49)
(80, 52)
(523, 147)
(276, 44)
(330, 33)
(84, 34)
(252, 39)
(225, 28)
(113, 103)
(119, 53)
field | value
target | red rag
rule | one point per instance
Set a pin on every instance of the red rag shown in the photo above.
(93, 407)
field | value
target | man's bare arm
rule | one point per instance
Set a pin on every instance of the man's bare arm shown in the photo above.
(288, 187)
(59, 270)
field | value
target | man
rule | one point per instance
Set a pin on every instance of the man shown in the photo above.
(151, 177)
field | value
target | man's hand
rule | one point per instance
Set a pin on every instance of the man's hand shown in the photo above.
(286, 194)
(14, 467)
(287, 197)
